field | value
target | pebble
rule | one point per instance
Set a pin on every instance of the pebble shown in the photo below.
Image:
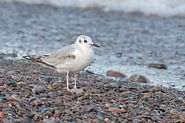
(106, 120)
(157, 66)
(16, 78)
(13, 99)
(21, 83)
(119, 55)
(138, 78)
(156, 89)
(48, 121)
(39, 89)
(89, 72)
(48, 113)
(117, 74)
(53, 85)
(37, 117)
(57, 113)
(36, 103)
(1, 106)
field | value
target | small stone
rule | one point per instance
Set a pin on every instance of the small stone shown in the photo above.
(17, 120)
(177, 114)
(138, 78)
(1, 106)
(57, 113)
(36, 103)
(48, 121)
(156, 89)
(39, 89)
(119, 55)
(26, 120)
(94, 121)
(16, 78)
(52, 86)
(106, 120)
(21, 83)
(3, 86)
(157, 66)
(1, 114)
(112, 73)
(48, 113)
(37, 117)
(89, 72)
(116, 110)
(13, 99)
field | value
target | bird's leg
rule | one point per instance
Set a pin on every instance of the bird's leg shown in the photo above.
(75, 77)
(67, 79)
(75, 89)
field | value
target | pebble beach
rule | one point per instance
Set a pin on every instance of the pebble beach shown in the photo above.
(132, 45)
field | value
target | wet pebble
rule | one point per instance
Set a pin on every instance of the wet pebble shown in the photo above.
(138, 78)
(117, 74)
(89, 71)
(157, 66)
(39, 89)
(119, 55)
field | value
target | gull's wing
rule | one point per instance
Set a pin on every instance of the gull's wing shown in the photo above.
(62, 57)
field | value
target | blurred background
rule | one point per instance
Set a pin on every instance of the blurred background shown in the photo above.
(148, 7)
(132, 33)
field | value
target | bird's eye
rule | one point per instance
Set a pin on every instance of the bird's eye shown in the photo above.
(85, 41)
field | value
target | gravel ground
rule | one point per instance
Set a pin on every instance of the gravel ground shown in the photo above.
(31, 93)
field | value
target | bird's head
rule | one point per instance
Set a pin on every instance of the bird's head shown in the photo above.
(85, 41)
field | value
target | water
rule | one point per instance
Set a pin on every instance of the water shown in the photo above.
(149, 7)
(30, 29)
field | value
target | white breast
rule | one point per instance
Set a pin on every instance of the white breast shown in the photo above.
(84, 59)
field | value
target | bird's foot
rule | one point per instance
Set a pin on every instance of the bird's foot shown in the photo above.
(76, 90)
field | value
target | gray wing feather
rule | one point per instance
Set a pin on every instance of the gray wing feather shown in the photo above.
(62, 56)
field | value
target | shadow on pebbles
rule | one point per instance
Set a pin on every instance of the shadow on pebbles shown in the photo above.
(30, 93)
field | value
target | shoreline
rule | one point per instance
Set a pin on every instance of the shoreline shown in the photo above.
(102, 99)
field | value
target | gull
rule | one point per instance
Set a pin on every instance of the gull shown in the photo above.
(72, 58)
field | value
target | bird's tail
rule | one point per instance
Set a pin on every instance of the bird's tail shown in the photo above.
(38, 60)
(33, 58)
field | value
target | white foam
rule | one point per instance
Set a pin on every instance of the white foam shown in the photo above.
(148, 7)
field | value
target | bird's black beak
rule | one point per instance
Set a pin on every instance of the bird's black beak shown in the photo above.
(95, 45)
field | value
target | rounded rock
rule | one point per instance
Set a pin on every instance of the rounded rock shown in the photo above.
(112, 73)
(138, 78)
(39, 89)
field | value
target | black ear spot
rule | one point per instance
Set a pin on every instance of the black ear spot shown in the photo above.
(80, 41)
(85, 41)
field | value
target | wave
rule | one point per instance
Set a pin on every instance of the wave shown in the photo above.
(148, 7)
